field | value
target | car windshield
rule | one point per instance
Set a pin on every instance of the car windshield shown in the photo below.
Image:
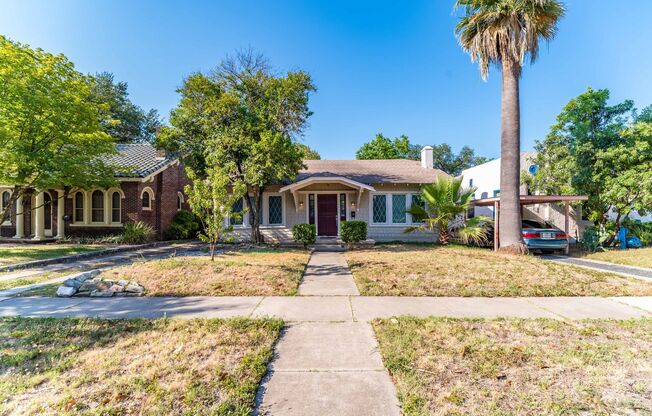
(535, 224)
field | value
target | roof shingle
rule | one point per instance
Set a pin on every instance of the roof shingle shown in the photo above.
(371, 171)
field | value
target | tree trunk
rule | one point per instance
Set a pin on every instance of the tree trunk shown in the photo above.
(510, 162)
(444, 236)
(254, 205)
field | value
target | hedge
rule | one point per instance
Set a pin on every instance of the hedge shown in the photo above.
(353, 231)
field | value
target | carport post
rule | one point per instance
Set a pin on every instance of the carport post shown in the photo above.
(496, 221)
(567, 226)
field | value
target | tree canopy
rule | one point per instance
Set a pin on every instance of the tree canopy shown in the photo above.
(249, 117)
(382, 147)
(307, 152)
(124, 120)
(51, 134)
(600, 150)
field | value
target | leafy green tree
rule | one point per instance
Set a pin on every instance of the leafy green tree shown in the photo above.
(445, 159)
(50, 133)
(506, 32)
(594, 150)
(307, 152)
(126, 122)
(626, 170)
(249, 118)
(382, 147)
(211, 199)
(446, 202)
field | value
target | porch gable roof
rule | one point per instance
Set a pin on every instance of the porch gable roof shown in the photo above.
(326, 179)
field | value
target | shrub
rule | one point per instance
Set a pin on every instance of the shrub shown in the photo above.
(305, 233)
(184, 225)
(642, 230)
(135, 233)
(353, 231)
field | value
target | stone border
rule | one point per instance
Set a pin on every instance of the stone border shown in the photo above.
(80, 256)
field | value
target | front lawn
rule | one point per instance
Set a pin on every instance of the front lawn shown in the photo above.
(150, 367)
(22, 253)
(447, 366)
(640, 257)
(420, 270)
(252, 272)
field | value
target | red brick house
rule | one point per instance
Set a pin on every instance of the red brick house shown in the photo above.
(151, 191)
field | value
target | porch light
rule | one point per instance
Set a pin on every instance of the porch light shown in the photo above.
(352, 204)
(300, 204)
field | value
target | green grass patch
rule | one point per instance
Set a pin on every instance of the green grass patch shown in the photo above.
(15, 254)
(133, 366)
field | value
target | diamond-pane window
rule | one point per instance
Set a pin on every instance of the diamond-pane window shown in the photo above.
(275, 210)
(238, 207)
(417, 200)
(398, 209)
(379, 207)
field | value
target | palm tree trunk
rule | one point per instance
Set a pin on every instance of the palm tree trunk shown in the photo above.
(510, 165)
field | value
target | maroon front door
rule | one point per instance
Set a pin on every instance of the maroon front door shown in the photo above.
(327, 214)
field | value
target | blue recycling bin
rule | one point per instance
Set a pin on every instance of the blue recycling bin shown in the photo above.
(622, 237)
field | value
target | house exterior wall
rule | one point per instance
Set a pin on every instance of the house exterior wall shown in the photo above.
(165, 187)
(293, 215)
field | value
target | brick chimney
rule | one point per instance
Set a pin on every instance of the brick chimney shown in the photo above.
(426, 157)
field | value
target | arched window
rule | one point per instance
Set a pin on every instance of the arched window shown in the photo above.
(147, 203)
(6, 197)
(115, 207)
(79, 207)
(146, 197)
(97, 206)
(180, 201)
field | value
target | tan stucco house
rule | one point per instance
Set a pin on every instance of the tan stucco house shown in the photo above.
(328, 192)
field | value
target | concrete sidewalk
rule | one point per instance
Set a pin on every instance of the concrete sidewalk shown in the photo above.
(603, 266)
(330, 308)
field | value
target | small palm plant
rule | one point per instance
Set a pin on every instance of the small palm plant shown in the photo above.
(445, 202)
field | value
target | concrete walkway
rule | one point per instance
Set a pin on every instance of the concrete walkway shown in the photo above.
(329, 367)
(327, 274)
(603, 266)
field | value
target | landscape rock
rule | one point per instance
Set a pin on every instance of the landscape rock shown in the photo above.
(77, 280)
(66, 291)
(86, 284)
(134, 288)
(101, 294)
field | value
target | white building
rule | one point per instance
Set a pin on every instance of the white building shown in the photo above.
(486, 178)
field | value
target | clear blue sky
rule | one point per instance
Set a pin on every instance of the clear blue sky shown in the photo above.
(380, 66)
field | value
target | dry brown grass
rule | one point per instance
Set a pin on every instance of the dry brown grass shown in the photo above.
(525, 367)
(254, 272)
(414, 270)
(640, 257)
(155, 367)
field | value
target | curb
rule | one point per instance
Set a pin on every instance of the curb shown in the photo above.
(80, 256)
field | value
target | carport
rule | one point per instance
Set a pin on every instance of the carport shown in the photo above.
(531, 200)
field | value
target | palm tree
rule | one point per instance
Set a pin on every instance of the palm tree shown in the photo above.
(505, 32)
(445, 203)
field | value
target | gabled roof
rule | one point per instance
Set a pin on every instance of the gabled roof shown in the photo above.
(138, 160)
(371, 171)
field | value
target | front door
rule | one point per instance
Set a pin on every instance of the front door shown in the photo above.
(327, 214)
